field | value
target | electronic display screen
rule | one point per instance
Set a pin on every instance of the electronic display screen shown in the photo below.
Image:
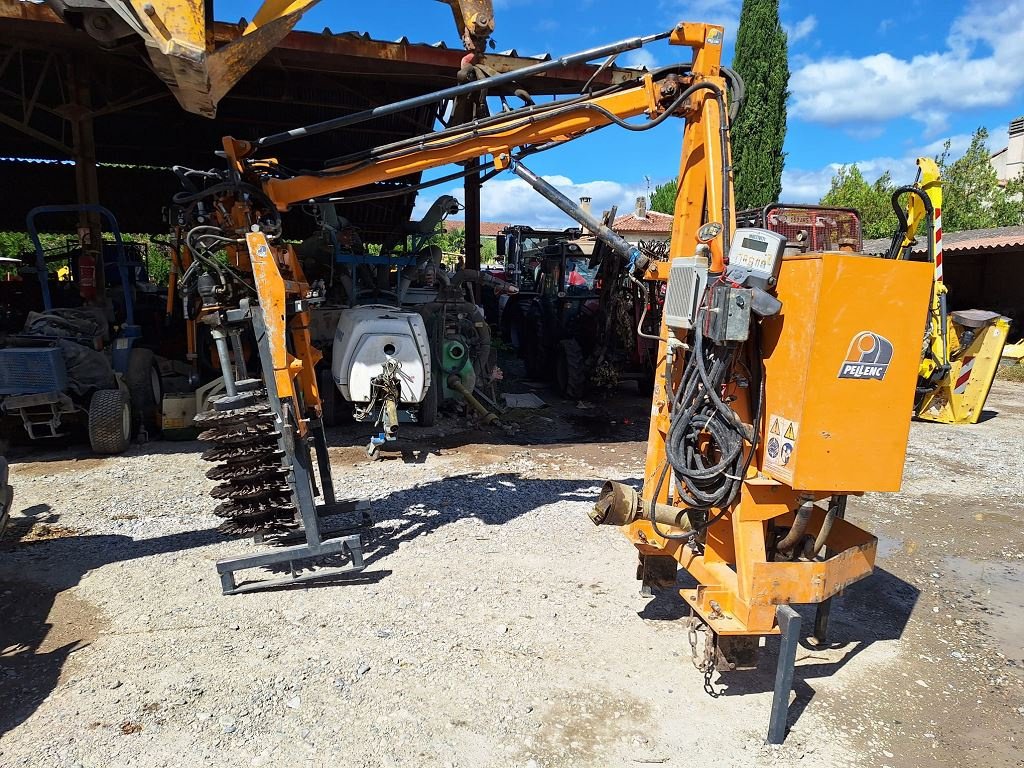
(755, 245)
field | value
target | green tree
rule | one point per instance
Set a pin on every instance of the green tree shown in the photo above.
(971, 195)
(663, 198)
(759, 132)
(849, 189)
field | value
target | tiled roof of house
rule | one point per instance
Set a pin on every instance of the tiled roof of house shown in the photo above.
(654, 222)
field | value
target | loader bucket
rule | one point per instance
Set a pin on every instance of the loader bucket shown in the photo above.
(960, 397)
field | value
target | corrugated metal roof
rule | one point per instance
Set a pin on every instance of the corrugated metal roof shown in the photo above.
(993, 238)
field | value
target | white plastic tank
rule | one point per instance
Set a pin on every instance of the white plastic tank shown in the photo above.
(368, 336)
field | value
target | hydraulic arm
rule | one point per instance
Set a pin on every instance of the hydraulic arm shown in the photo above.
(770, 408)
(266, 428)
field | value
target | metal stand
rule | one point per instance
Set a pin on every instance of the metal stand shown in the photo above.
(789, 624)
(299, 558)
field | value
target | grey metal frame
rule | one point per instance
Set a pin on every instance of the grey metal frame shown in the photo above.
(789, 624)
(318, 543)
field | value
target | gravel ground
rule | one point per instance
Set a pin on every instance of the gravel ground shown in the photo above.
(495, 625)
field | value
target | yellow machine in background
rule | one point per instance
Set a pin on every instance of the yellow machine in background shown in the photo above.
(961, 350)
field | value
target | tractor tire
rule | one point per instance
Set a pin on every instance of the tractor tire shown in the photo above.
(428, 408)
(570, 371)
(532, 348)
(143, 381)
(110, 421)
(329, 397)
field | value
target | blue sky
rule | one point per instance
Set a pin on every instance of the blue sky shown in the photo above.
(874, 83)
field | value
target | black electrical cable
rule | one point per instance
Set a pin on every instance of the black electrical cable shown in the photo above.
(685, 389)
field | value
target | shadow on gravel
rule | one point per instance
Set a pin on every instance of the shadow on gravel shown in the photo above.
(43, 624)
(873, 610)
(494, 499)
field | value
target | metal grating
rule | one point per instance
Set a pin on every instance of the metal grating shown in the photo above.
(687, 280)
(32, 371)
(811, 228)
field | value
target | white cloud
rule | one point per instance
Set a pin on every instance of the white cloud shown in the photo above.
(980, 67)
(808, 186)
(513, 201)
(801, 29)
(641, 58)
(723, 12)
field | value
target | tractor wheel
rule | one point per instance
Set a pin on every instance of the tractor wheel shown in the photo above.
(511, 323)
(570, 372)
(532, 348)
(328, 397)
(428, 408)
(143, 381)
(110, 421)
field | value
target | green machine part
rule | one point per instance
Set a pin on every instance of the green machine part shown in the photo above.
(455, 361)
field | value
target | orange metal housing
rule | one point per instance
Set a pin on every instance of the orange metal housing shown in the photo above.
(848, 434)
(840, 363)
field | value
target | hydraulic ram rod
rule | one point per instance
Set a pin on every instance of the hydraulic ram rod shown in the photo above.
(617, 243)
(460, 90)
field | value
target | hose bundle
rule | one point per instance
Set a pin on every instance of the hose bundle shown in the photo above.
(704, 445)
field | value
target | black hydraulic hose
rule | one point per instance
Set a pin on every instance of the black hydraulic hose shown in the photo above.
(739, 92)
(460, 90)
(803, 517)
(903, 224)
(837, 509)
(476, 128)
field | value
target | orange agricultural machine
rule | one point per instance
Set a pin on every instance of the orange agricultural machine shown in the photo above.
(783, 384)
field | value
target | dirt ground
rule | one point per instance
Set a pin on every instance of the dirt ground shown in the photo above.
(494, 625)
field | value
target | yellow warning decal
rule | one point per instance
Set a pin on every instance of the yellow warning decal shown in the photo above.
(790, 433)
(775, 427)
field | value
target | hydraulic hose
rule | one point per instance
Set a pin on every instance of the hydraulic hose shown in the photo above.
(803, 517)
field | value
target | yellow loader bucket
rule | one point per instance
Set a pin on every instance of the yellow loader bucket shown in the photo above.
(960, 397)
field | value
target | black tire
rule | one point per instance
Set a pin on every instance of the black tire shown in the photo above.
(110, 421)
(570, 371)
(143, 381)
(428, 408)
(510, 321)
(533, 350)
(328, 397)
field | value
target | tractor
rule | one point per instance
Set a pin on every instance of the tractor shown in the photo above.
(590, 323)
(80, 358)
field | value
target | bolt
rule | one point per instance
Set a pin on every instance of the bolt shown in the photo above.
(149, 9)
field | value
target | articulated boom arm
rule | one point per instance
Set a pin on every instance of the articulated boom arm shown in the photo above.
(528, 127)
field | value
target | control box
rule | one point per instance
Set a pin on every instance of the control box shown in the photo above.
(755, 257)
(841, 364)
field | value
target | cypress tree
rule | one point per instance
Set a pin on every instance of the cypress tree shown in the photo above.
(758, 134)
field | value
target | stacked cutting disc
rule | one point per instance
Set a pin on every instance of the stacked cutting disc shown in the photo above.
(252, 480)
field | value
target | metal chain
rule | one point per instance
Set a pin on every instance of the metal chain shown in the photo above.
(706, 665)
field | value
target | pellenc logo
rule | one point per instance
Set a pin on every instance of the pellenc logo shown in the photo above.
(868, 357)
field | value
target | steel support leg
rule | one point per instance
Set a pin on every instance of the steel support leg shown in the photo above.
(821, 621)
(789, 624)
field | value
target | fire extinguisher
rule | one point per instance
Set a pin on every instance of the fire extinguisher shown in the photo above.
(87, 277)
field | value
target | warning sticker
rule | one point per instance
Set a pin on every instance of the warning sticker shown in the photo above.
(780, 451)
